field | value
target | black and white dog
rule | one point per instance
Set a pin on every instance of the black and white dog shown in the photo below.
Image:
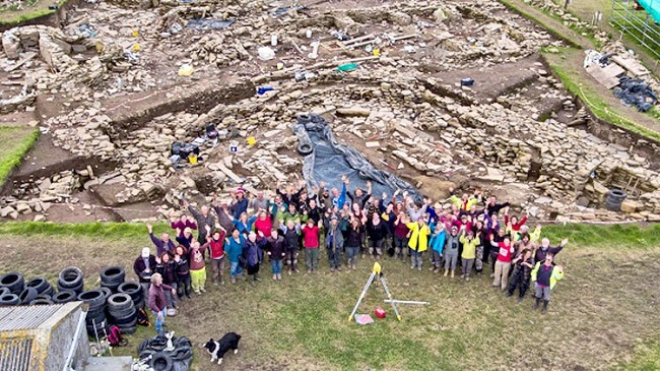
(217, 349)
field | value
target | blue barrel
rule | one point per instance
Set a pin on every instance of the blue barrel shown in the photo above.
(614, 199)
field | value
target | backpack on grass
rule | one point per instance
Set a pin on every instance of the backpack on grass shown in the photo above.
(114, 336)
(142, 317)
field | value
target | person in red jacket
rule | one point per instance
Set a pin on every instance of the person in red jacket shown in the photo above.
(310, 234)
(515, 224)
(216, 245)
(263, 223)
(503, 262)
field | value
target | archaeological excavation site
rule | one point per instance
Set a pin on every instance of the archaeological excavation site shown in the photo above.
(449, 96)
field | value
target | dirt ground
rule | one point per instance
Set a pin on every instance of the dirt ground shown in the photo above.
(599, 313)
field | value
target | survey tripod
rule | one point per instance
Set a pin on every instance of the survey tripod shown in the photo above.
(376, 272)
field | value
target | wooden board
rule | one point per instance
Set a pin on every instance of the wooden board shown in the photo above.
(598, 73)
(613, 70)
(631, 65)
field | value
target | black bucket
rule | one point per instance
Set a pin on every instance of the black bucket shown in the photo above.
(614, 199)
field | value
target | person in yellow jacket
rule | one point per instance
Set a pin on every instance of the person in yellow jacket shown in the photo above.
(419, 241)
(470, 244)
(465, 202)
(545, 276)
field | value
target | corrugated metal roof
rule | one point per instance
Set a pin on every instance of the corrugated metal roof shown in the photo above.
(26, 317)
(15, 355)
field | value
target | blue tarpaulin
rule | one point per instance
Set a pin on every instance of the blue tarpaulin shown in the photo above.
(652, 7)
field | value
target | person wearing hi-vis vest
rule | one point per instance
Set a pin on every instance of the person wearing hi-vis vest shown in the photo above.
(545, 276)
(503, 262)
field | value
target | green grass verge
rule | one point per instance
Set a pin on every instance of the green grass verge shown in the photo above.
(18, 141)
(7, 19)
(646, 358)
(604, 236)
(511, 4)
(591, 97)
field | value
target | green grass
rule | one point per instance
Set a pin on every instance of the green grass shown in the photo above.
(14, 17)
(18, 141)
(511, 4)
(647, 358)
(301, 322)
(571, 78)
(603, 236)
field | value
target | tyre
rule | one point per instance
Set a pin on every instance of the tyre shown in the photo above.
(41, 302)
(161, 362)
(106, 292)
(43, 297)
(95, 317)
(13, 281)
(128, 330)
(95, 298)
(4, 291)
(9, 299)
(119, 302)
(305, 149)
(133, 289)
(304, 118)
(50, 291)
(28, 295)
(70, 278)
(123, 320)
(112, 287)
(113, 275)
(64, 297)
(40, 284)
(123, 313)
(77, 289)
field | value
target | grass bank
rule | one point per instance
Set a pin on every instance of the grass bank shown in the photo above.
(301, 322)
(16, 142)
(35, 9)
(607, 108)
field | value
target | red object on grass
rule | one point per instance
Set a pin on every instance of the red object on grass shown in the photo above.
(379, 312)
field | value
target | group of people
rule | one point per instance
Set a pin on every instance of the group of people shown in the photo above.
(348, 223)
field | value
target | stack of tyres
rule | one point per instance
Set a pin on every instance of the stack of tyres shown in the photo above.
(43, 289)
(64, 297)
(122, 313)
(134, 290)
(96, 320)
(11, 287)
(112, 277)
(70, 279)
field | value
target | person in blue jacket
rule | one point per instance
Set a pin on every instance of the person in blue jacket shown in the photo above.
(437, 243)
(234, 250)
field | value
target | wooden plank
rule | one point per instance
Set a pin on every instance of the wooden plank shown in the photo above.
(613, 70)
(597, 73)
(631, 65)
(229, 173)
(29, 56)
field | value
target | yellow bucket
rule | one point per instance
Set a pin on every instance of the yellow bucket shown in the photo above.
(251, 141)
(376, 52)
(192, 158)
(135, 33)
(136, 47)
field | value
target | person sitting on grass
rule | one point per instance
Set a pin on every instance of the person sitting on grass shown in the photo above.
(197, 269)
(163, 244)
(157, 301)
(234, 250)
(545, 276)
(275, 248)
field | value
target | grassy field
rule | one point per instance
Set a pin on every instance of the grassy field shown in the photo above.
(603, 315)
(32, 9)
(18, 140)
